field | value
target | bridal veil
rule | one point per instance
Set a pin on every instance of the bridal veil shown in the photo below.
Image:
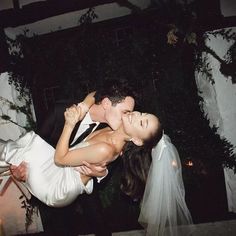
(163, 206)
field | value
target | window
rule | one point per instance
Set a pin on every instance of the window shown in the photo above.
(50, 95)
(122, 35)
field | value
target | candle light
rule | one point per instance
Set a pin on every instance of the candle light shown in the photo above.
(189, 163)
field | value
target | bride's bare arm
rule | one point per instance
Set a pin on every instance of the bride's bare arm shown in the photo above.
(93, 154)
(72, 116)
(89, 99)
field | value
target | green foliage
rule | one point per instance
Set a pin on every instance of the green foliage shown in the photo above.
(5, 117)
(25, 109)
(87, 18)
(19, 80)
(227, 65)
(30, 210)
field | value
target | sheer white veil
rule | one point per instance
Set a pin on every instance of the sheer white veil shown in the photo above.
(163, 205)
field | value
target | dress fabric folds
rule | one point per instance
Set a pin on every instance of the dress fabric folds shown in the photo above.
(56, 186)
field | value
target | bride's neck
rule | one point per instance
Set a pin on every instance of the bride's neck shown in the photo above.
(118, 139)
(120, 135)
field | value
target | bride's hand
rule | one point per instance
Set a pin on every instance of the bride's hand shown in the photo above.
(90, 99)
(72, 115)
(86, 104)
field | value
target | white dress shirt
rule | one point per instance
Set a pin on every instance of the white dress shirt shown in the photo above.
(85, 125)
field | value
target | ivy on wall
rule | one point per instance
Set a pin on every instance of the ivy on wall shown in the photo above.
(17, 78)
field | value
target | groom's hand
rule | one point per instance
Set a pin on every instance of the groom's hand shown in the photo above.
(92, 170)
(19, 172)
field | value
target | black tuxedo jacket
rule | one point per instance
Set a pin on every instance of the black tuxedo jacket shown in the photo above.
(52, 127)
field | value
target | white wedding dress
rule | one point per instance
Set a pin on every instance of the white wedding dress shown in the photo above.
(54, 185)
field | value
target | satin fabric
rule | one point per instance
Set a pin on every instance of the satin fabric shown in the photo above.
(54, 185)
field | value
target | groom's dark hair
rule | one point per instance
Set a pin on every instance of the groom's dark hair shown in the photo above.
(115, 90)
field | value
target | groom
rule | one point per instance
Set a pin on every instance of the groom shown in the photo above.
(111, 101)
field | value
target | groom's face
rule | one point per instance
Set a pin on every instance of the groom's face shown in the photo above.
(114, 113)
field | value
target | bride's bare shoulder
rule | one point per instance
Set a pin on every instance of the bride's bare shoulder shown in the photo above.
(105, 149)
(98, 134)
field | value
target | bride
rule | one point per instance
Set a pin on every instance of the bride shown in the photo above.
(51, 174)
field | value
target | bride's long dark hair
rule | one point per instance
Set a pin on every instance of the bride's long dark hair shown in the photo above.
(136, 163)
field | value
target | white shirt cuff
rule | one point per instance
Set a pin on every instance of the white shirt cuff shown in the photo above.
(88, 188)
(99, 179)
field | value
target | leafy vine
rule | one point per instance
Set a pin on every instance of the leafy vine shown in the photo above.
(24, 109)
(30, 210)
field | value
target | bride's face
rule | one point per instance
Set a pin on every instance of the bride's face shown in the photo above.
(140, 125)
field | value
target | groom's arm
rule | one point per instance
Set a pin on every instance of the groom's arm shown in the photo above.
(93, 170)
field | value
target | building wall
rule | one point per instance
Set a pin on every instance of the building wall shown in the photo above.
(220, 98)
(228, 7)
(70, 20)
(219, 101)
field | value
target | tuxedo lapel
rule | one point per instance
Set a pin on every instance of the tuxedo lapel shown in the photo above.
(74, 132)
(85, 133)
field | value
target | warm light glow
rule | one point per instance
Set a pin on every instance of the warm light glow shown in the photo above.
(189, 163)
(174, 163)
